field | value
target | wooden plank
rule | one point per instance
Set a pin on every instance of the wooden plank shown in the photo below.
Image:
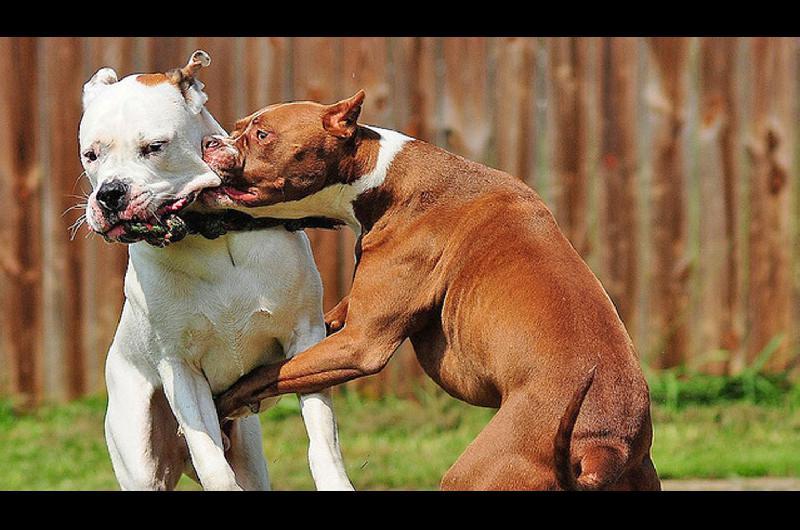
(718, 260)
(467, 124)
(414, 87)
(771, 151)
(265, 68)
(794, 272)
(221, 78)
(20, 252)
(165, 53)
(514, 106)
(568, 58)
(6, 367)
(618, 59)
(64, 71)
(670, 267)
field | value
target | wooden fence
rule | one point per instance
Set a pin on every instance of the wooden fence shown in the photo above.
(669, 162)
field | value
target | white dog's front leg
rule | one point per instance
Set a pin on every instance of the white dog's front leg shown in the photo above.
(324, 454)
(191, 400)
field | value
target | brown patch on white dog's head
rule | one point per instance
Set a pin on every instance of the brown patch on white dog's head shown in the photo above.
(152, 79)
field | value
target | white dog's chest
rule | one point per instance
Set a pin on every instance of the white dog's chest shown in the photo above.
(230, 335)
(219, 307)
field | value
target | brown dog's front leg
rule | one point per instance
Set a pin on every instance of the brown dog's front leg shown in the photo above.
(335, 360)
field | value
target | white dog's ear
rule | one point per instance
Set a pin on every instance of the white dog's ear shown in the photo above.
(191, 87)
(99, 82)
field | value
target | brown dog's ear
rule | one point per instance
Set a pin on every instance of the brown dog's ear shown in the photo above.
(340, 118)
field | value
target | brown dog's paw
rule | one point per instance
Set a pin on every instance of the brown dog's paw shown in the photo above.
(335, 318)
(333, 326)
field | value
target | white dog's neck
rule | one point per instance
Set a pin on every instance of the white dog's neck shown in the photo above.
(190, 256)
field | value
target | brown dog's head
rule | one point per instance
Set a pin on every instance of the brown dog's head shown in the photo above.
(284, 152)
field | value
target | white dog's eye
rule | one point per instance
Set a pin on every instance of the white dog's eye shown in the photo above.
(153, 147)
(90, 155)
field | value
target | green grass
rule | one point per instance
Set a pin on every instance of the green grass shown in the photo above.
(408, 444)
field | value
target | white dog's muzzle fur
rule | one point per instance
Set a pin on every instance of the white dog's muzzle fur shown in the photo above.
(199, 314)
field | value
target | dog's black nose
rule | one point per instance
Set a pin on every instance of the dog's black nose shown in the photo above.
(111, 195)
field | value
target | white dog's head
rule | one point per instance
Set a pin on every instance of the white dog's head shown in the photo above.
(140, 144)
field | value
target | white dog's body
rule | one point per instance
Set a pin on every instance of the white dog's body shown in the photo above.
(198, 314)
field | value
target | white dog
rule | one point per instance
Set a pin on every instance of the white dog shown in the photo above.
(200, 313)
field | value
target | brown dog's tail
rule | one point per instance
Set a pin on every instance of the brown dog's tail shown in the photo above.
(600, 464)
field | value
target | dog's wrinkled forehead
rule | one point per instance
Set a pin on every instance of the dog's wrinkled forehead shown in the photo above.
(282, 117)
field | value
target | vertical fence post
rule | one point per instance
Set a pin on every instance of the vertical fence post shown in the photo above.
(265, 67)
(20, 253)
(165, 53)
(619, 167)
(771, 151)
(568, 58)
(670, 266)
(64, 70)
(515, 93)
(466, 102)
(415, 88)
(718, 265)
(219, 78)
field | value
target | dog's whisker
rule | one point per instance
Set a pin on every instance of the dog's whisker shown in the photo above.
(73, 229)
(74, 207)
(78, 222)
(83, 174)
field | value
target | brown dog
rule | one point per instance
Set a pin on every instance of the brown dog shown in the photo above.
(468, 263)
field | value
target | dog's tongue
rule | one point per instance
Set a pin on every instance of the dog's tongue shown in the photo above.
(116, 232)
(237, 195)
(175, 206)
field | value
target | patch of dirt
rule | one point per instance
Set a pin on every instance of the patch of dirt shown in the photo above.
(734, 484)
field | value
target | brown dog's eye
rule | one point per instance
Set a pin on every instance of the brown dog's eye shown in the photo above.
(262, 135)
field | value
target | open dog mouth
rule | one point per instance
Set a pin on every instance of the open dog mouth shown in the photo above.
(227, 195)
(160, 228)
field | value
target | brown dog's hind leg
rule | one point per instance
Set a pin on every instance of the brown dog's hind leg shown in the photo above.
(504, 456)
